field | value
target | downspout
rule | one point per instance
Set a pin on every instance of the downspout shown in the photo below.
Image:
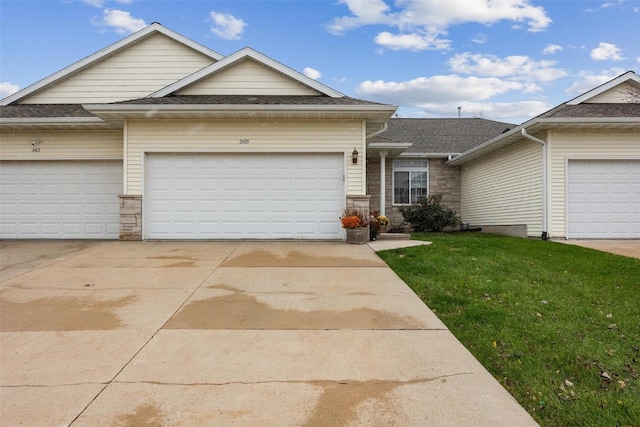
(378, 132)
(523, 131)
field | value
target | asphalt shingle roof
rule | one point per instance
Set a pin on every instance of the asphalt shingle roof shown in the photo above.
(248, 100)
(594, 110)
(26, 111)
(441, 135)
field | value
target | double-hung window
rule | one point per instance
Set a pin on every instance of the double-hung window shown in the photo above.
(410, 181)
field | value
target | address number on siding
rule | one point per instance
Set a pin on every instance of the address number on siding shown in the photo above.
(244, 141)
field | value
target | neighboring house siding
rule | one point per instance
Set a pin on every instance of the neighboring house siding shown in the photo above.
(248, 78)
(136, 72)
(504, 188)
(61, 145)
(620, 94)
(224, 136)
(582, 145)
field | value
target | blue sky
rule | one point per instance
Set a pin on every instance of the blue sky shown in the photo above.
(506, 60)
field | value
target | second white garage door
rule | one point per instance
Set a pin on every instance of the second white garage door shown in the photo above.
(248, 196)
(604, 199)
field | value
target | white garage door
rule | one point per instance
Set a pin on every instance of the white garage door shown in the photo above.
(604, 199)
(249, 196)
(60, 199)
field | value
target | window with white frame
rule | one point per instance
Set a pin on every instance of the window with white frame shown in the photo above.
(410, 181)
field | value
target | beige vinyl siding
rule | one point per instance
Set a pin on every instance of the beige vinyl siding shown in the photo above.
(618, 94)
(582, 145)
(61, 145)
(505, 188)
(262, 136)
(248, 78)
(136, 72)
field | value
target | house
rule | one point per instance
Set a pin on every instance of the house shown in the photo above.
(158, 137)
(408, 160)
(572, 172)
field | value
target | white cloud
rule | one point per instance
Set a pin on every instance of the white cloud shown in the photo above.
(517, 67)
(421, 23)
(312, 73)
(8, 88)
(550, 49)
(513, 112)
(479, 38)
(415, 42)
(227, 26)
(607, 51)
(424, 91)
(120, 21)
(589, 81)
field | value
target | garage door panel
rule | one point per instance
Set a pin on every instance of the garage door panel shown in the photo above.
(603, 199)
(252, 196)
(60, 199)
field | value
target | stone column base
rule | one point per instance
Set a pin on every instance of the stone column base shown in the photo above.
(130, 217)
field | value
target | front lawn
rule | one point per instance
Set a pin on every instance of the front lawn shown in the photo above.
(557, 325)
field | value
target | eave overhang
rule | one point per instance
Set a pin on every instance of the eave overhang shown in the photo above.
(58, 123)
(538, 126)
(374, 115)
(392, 149)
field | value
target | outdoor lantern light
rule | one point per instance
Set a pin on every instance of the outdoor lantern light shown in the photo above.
(354, 156)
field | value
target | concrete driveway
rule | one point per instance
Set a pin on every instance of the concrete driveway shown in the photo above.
(629, 248)
(238, 333)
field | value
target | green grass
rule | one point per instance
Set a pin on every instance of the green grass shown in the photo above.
(550, 321)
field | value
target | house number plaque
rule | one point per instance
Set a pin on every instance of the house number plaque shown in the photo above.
(244, 141)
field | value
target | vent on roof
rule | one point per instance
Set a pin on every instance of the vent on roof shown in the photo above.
(505, 130)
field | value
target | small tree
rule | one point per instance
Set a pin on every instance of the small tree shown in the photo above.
(429, 214)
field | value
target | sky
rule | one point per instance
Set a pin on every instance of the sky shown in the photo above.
(505, 60)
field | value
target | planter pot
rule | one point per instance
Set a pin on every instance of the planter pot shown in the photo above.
(358, 236)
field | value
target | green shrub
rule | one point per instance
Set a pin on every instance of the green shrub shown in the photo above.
(429, 214)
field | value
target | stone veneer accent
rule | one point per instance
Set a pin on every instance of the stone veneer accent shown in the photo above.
(442, 179)
(360, 201)
(130, 217)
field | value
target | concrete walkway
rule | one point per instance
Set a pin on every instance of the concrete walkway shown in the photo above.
(243, 334)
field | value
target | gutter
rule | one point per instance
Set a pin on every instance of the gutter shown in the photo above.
(523, 132)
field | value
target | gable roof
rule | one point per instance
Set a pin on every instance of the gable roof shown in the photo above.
(104, 53)
(237, 57)
(629, 76)
(442, 137)
(572, 115)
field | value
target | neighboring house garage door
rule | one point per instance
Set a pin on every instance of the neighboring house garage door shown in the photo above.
(604, 199)
(249, 196)
(60, 199)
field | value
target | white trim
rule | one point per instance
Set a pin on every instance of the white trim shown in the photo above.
(426, 155)
(628, 76)
(393, 181)
(240, 56)
(101, 54)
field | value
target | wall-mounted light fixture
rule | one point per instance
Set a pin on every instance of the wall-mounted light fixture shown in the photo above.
(34, 141)
(354, 156)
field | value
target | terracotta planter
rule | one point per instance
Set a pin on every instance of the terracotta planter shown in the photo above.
(358, 236)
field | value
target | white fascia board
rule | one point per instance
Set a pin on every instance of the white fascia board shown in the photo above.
(487, 146)
(83, 63)
(167, 108)
(629, 75)
(52, 120)
(594, 120)
(382, 145)
(240, 56)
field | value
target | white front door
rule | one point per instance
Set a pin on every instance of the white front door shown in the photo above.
(603, 199)
(244, 196)
(60, 199)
